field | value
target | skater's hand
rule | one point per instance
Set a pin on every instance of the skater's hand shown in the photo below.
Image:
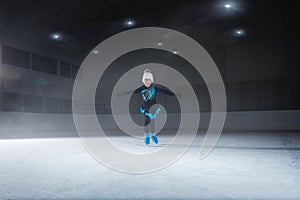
(150, 115)
(157, 111)
(153, 117)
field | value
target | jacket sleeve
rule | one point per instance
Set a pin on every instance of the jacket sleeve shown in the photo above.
(133, 91)
(163, 91)
(138, 90)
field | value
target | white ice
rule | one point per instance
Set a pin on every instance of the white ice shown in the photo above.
(243, 165)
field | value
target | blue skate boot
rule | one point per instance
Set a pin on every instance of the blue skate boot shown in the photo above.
(154, 138)
(147, 138)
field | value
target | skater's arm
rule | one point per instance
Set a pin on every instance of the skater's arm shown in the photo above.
(138, 90)
(163, 91)
(146, 114)
(132, 91)
(151, 116)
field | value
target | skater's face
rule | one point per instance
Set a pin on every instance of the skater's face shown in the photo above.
(147, 82)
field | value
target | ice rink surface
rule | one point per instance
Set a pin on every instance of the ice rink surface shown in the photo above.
(243, 165)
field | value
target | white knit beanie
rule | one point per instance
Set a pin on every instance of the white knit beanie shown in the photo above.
(147, 75)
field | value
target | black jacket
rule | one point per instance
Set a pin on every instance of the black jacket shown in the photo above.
(149, 95)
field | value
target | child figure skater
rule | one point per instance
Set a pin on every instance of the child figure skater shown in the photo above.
(148, 92)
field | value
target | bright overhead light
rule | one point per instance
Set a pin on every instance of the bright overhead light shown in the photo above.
(96, 52)
(159, 43)
(239, 32)
(130, 23)
(227, 6)
(175, 51)
(56, 36)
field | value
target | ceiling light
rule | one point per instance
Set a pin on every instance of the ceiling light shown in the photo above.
(239, 32)
(56, 36)
(130, 23)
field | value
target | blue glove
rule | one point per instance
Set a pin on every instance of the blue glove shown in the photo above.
(142, 110)
(156, 112)
(150, 115)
